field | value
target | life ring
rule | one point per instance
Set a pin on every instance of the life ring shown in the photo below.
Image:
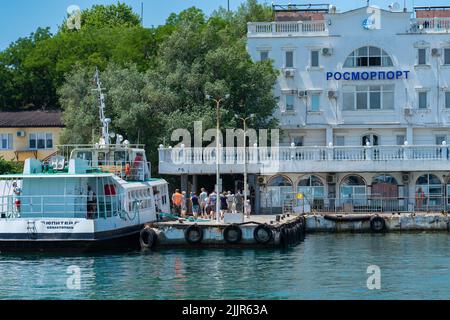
(262, 234)
(147, 238)
(377, 224)
(193, 234)
(232, 234)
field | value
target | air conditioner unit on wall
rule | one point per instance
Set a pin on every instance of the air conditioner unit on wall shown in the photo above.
(302, 93)
(331, 179)
(405, 178)
(327, 51)
(261, 180)
(435, 52)
(289, 73)
(21, 133)
(332, 94)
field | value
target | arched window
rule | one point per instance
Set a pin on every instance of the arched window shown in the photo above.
(384, 186)
(429, 192)
(368, 57)
(353, 190)
(311, 187)
(279, 189)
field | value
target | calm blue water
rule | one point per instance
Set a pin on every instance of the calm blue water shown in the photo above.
(325, 266)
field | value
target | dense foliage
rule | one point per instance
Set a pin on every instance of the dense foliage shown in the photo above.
(155, 79)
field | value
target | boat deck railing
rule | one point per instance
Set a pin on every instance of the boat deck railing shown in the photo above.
(67, 206)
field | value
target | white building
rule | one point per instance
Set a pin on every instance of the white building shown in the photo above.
(364, 109)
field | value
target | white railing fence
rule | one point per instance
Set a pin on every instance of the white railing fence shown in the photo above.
(258, 155)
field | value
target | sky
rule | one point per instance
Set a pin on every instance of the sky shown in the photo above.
(19, 18)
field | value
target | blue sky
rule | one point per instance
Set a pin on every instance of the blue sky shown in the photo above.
(18, 18)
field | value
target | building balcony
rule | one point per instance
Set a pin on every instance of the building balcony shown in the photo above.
(271, 160)
(430, 25)
(287, 28)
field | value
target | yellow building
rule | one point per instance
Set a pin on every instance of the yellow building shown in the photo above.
(29, 134)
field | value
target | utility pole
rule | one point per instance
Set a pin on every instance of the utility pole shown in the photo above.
(217, 101)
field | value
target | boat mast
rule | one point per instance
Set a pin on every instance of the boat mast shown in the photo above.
(105, 121)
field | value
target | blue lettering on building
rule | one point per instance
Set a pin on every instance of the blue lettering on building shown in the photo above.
(372, 75)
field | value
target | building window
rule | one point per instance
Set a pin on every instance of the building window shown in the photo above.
(313, 190)
(422, 56)
(279, 189)
(385, 186)
(264, 55)
(353, 190)
(400, 139)
(423, 100)
(339, 141)
(41, 140)
(315, 102)
(368, 57)
(447, 99)
(314, 58)
(6, 141)
(298, 141)
(289, 56)
(368, 97)
(447, 56)
(290, 102)
(429, 191)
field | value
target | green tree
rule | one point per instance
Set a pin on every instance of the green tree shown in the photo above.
(10, 167)
(106, 16)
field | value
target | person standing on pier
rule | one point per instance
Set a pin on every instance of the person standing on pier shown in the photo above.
(247, 208)
(184, 203)
(195, 205)
(223, 204)
(230, 202)
(212, 204)
(202, 199)
(239, 202)
(176, 201)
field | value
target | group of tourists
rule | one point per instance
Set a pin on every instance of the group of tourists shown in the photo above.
(204, 205)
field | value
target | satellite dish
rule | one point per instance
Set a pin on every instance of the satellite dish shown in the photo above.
(395, 6)
(112, 135)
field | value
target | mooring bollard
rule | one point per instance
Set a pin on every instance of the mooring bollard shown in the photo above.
(277, 218)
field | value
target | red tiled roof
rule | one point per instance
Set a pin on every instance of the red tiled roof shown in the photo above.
(33, 119)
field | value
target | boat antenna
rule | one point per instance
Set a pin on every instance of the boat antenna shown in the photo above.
(105, 121)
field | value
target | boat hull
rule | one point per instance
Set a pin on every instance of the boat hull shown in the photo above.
(125, 239)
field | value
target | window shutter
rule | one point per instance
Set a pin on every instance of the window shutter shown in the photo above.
(10, 141)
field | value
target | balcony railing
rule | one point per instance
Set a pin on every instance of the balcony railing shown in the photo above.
(430, 25)
(314, 159)
(367, 204)
(285, 28)
(334, 153)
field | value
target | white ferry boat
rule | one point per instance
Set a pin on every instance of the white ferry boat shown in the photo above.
(100, 199)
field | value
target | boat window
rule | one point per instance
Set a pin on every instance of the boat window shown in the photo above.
(120, 157)
(85, 155)
(101, 158)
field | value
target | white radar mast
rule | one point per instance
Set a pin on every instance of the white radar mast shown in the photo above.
(105, 121)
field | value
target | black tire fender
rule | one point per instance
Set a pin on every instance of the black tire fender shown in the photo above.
(377, 224)
(258, 238)
(147, 238)
(230, 229)
(193, 234)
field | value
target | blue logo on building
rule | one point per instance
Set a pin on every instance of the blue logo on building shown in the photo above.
(368, 24)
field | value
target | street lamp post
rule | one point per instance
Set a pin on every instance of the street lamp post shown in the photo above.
(217, 101)
(244, 120)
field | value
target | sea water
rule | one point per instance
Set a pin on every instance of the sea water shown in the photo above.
(324, 266)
